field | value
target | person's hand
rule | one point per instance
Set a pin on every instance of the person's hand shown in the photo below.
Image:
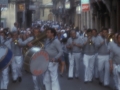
(102, 42)
(111, 68)
(74, 44)
(53, 59)
(29, 44)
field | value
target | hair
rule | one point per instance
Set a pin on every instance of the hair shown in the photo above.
(104, 29)
(94, 30)
(14, 32)
(35, 28)
(118, 35)
(89, 31)
(52, 30)
(72, 31)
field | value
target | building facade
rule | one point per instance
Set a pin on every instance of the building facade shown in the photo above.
(102, 13)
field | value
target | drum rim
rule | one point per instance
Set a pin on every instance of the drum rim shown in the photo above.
(8, 63)
(30, 49)
(4, 55)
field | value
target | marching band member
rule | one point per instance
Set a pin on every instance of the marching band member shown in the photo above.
(74, 45)
(36, 33)
(54, 49)
(115, 62)
(5, 73)
(103, 57)
(95, 36)
(89, 56)
(17, 63)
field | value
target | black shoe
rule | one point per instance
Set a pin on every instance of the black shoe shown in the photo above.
(100, 83)
(14, 81)
(97, 78)
(86, 82)
(107, 86)
(77, 78)
(61, 74)
(70, 78)
(90, 81)
(19, 79)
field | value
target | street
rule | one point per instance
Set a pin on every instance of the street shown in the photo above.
(75, 84)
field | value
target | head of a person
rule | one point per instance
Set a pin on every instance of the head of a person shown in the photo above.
(73, 33)
(16, 24)
(94, 32)
(89, 33)
(104, 32)
(118, 38)
(15, 34)
(36, 32)
(51, 33)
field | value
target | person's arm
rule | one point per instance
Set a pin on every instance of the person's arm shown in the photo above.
(111, 61)
(25, 42)
(68, 45)
(99, 42)
(79, 44)
(59, 49)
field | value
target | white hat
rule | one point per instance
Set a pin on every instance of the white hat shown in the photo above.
(28, 29)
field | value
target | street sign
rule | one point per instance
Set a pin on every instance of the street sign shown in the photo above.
(85, 5)
(3, 3)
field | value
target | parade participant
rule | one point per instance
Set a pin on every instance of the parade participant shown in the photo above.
(5, 73)
(54, 49)
(103, 57)
(89, 51)
(36, 33)
(65, 61)
(115, 62)
(17, 63)
(95, 36)
(74, 45)
(15, 27)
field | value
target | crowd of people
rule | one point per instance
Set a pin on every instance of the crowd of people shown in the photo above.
(68, 47)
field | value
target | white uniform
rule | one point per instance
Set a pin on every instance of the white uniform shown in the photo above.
(115, 57)
(89, 59)
(54, 49)
(17, 60)
(74, 57)
(103, 60)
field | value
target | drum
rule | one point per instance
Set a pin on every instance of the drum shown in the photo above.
(5, 57)
(36, 61)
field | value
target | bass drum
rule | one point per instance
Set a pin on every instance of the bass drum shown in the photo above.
(6, 56)
(36, 61)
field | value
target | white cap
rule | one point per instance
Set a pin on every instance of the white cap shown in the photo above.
(28, 29)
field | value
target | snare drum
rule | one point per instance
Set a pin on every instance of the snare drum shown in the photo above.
(36, 61)
(5, 57)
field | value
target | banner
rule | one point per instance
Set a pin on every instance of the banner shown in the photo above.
(85, 5)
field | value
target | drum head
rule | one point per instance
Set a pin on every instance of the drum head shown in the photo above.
(5, 57)
(39, 62)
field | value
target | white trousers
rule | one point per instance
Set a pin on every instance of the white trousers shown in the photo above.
(96, 67)
(51, 77)
(17, 67)
(4, 79)
(38, 82)
(103, 69)
(74, 60)
(116, 76)
(88, 61)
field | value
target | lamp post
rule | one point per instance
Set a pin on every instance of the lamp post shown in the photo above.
(78, 11)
